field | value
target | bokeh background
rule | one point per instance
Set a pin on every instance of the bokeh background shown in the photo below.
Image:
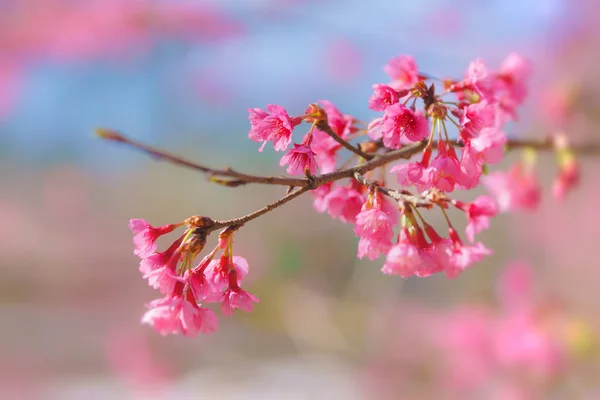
(180, 75)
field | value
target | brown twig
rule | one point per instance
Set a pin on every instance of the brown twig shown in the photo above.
(401, 196)
(324, 127)
(238, 178)
(269, 207)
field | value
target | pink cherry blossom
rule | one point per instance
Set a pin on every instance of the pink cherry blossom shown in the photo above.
(145, 236)
(444, 171)
(300, 159)
(515, 189)
(344, 202)
(236, 297)
(174, 315)
(411, 174)
(513, 76)
(403, 259)
(478, 214)
(275, 126)
(475, 117)
(383, 96)
(461, 257)
(489, 145)
(374, 226)
(403, 71)
(160, 269)
(400, 121)
(471, 167)
(217, 272)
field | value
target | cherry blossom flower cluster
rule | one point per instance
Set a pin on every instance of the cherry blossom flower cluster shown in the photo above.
(412, 113)
(447, 139)
(187, 286)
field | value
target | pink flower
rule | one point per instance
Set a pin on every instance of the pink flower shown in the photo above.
(403, 71)
(344, 202)
(173, 315)
(300, 159)
(444, 172)
(478, 214)
(403, 259)
(160, 269)
(489, 145)
(475, 117)
(411, 174)
(319, 195)
(461, 257)
(145, 236)
(513, 76)
(374, 226)
(237, 297)
(400, 121)
(276, 126)
(383, 96)
(217, 272)
(471, 167)
(517, 189)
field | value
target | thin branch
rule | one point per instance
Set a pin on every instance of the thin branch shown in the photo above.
(324, 127)
(401, 196)
(239, 178)
(269, 207)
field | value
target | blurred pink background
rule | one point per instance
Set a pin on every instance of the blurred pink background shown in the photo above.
(181, 75)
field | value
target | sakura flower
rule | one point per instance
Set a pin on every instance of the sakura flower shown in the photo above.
(160, 269)
(513, 76)
(475, 117)
(400, 121)
(515, 189)
(478, 214)
(403, 71)
(237, 298)
(403, 259)
(145, 236)
(275, 126)
(411, 174)
(383, 96)
(444, 172)
(344, 202)
(374, 226)
(173, 315)
(461, 257)
(218, 271)
(489, 145)
(301, 159)
(319, 195)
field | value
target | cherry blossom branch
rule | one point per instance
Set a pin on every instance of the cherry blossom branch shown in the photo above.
(240, 178)
(324, 127)
(268, 208)
(401, 196)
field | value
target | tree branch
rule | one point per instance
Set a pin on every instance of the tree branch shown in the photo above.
(269, 207)
(323, 126)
